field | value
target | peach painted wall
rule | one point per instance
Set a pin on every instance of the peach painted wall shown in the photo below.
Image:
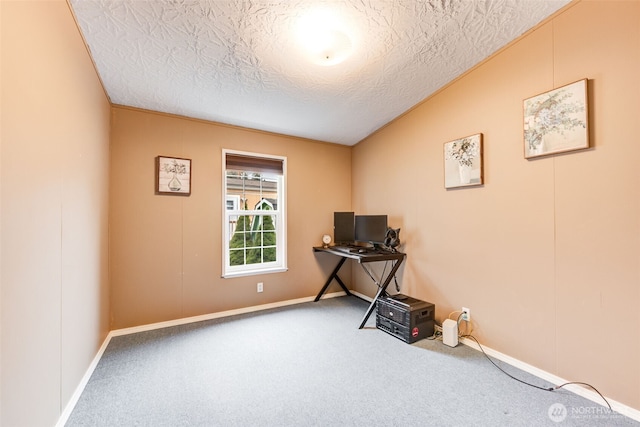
(54, 195)
(546, 253)
(165, 251)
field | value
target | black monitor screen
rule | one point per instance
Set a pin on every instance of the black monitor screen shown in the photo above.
(371, 228)
(343, 231)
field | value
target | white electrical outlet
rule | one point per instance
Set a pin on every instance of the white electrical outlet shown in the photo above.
(260, 287)
(466, 314)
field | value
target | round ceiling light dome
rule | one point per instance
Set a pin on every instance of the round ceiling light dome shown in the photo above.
(322, 40)
(329, 48)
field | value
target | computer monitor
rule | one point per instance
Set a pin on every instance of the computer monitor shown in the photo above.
(343, 228)
(371, 228)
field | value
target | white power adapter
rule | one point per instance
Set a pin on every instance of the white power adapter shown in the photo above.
(450, 332)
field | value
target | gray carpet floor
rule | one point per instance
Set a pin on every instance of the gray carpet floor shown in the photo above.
(310, 365)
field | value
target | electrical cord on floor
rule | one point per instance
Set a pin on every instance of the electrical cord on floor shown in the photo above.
(585, 384)
(437, 335)
(533, 385)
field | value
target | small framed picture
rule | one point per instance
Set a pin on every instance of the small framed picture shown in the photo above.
(556, 121)
(173, 176)
(463, 162)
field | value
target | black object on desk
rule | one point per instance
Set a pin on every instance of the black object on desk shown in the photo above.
(370, 255)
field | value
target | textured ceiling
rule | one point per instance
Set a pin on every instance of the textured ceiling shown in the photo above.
(241, 63)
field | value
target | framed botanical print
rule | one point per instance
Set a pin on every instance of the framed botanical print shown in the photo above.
(173, 176)
(463, 162)
(556, 121)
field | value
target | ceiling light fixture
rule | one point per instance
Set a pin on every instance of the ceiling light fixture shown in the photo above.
(323, 39)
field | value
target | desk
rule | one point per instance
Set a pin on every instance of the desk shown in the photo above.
(362, 258)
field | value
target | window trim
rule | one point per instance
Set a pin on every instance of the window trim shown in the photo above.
(281, 229)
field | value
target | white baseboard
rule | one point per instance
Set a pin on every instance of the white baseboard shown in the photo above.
(210, 316)
(618, 407)
(64, 417)
(362, 296)
(580, 391)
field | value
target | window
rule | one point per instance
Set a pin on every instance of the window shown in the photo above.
(233, 202)
(254, 231)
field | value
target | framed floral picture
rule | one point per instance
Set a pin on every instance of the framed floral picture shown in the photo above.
(173, 176)
(556, 121)
(463, 162)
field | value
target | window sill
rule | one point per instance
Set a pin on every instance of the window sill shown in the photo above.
(254, 272)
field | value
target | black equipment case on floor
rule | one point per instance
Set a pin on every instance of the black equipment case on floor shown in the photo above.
(405, 318)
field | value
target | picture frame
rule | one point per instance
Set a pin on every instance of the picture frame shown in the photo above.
(556, 121)
(463, 164)
(173, 176)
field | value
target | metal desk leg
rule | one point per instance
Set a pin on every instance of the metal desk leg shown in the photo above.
(334, 275)
(382, 289)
